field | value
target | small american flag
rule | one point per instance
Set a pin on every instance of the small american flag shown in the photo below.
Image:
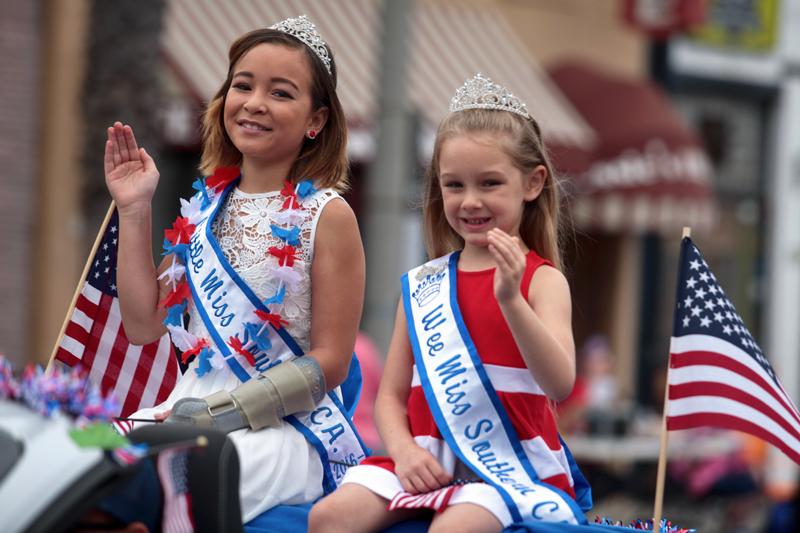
(718, 375)
(435, 499)
(139, 376)
(172, 471)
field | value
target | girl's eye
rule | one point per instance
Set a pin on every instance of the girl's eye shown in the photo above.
(241, 86)
(452, 185)
(491, 183)
(280, 93)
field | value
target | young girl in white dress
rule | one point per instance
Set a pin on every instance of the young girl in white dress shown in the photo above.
(267, 261)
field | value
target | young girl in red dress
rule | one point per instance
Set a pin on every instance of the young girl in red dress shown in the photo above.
(482, 344)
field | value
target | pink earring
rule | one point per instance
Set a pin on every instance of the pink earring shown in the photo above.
(311, 134)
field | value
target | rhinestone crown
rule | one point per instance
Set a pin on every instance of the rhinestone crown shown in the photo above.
(480, 92)
(303, 29)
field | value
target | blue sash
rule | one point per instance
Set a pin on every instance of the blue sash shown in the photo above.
(224, 302)
(463, 401)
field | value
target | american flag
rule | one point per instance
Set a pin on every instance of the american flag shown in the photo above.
(718, 375)
(139, 376)
(172, 471)
(435, 499)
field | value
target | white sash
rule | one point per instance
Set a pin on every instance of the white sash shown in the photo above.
(224, 302)
(463, 402)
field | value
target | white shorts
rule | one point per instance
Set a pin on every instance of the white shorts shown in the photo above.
(387, 485)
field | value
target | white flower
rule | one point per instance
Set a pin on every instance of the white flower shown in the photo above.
(217, 361)
(289, 275)
(192, 209)
(289, 217)
(258, 216)
(182, 339)
(173, 272)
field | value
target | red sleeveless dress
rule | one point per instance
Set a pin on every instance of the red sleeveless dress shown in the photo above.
(526, 405)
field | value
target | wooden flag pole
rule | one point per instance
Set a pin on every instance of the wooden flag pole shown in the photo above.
(662, 454)
(81, 281)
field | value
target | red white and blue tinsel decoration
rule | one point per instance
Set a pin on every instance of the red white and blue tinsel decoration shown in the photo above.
(68, 392)
(645, 525)
(176, 243)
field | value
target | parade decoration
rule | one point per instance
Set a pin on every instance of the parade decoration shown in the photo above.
(480, 92)
(644, 525)
(66, 392)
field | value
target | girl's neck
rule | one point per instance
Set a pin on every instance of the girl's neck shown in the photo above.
(475, 258)
(257, 177)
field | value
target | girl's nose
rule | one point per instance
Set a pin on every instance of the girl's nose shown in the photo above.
(255, 105)
(472, 200)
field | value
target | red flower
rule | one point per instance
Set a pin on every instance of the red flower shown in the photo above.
(286, 254)
(177, 296)
(273, 318)
(290, 197)
(181, 231)
(196, 349)
(236, 344)
(222, 177)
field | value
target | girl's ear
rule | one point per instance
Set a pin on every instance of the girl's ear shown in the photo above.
(318, 119)
(534, 183)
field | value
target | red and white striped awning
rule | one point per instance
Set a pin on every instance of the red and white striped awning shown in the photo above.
(448, 44)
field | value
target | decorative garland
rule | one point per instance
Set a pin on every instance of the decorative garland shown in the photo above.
(65, 391)
(644, 525)
(176, 243)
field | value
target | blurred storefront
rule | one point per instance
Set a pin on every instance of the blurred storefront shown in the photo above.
(645, 178)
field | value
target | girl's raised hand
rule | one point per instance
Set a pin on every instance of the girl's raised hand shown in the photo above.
(510, 259)
(419, 471)
(131, 174)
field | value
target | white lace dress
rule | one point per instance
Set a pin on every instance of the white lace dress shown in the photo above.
(278, 465)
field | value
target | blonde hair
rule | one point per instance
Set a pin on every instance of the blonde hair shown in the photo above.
(324, 158)
(522, 141)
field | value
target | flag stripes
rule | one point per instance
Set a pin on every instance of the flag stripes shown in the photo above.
(139, 376)
(435, 499)
(718, 375)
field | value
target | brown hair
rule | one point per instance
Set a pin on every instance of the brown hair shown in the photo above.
(324, 159)
(540, 225)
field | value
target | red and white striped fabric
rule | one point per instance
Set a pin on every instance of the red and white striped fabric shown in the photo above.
(718, 375)
(436, 499)
(139, 376)
(526, 405)
(172, 471)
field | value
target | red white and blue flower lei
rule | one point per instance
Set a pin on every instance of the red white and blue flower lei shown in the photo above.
(176, 243)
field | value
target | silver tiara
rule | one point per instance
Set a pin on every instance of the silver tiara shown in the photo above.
(480, 92)
(303, 29)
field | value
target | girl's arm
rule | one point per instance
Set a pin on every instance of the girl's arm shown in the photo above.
(417, 469)
(542, 324)
(131, 177)
(337, 291)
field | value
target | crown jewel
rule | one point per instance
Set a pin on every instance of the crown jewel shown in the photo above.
(480, 92)
(303, 29)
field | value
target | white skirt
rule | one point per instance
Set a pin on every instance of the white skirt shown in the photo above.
(387, 485)
(277, 465)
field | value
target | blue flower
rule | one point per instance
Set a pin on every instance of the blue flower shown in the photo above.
(200, 186)
(204, 362)
(277, 298)
(178, 249)
(175, 315)
(304, 189)
(262, 341)
(289, 236)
